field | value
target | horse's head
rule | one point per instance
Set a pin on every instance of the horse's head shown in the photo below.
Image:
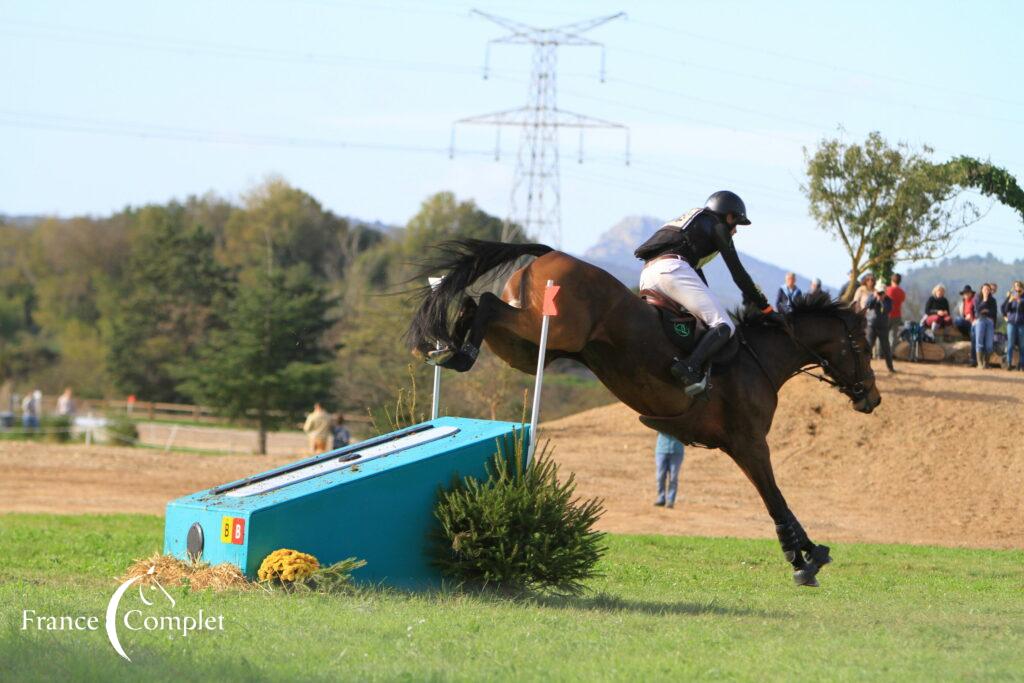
(834, 336)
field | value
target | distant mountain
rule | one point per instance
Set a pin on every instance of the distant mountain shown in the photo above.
(614, 252)
(23, 222)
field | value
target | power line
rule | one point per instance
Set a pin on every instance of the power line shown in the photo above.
(44, 121)
(742, 45)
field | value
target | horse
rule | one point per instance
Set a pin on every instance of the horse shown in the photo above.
(619, 337)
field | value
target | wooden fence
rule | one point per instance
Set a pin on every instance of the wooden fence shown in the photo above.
(155, 410)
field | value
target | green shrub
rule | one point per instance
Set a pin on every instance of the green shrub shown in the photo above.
(519, 530)
(56, 428)
(122, 432)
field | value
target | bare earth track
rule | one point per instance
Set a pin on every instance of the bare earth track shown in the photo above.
(940, 462)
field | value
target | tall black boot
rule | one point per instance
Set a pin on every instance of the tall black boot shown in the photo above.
(691, 371)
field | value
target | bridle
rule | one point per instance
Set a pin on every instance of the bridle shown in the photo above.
(832, 376)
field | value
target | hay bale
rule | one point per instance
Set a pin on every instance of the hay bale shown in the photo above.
(927, 351)
(199, 575)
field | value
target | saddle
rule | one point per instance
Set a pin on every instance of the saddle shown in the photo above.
(684, 329)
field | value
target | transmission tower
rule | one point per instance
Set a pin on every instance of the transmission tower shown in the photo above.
(536, 198)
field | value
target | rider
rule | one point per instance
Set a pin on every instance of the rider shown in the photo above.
(673, 258)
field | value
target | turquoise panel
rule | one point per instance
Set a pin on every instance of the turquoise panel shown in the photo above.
(380, 510)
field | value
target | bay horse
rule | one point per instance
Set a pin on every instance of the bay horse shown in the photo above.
(619, 337)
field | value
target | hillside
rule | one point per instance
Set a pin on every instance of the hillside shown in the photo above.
(613, 251)
(906, 473)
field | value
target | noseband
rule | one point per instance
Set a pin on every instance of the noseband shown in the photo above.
(832, 376)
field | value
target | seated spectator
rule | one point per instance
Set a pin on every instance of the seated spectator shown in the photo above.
(1013, 314)
(985, 324)
(788, 293)
(867, 287)
(936, 310)
(340, 436)
(965, 311)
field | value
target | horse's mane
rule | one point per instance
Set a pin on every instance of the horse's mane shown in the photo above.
(817, 304)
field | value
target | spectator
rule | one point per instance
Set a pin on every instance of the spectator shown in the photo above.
(965, 317)
(1013, 313)
(985, 325)
(66, 404)
(668, 460)
(815, 286)
(788, 293)
(31, 409)
(936, 310)
(877, 311)
(867, 287)
(897, 296)
(340, 436)
(317, 428)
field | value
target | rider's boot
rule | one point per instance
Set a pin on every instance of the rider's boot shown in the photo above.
(691, 371)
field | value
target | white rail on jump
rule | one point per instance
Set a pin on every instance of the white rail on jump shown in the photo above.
(357, 457)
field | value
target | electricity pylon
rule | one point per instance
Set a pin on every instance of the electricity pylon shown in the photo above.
(536, 197)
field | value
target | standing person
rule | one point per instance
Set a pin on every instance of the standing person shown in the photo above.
(1013, 314)
(815, 286)
(318, 429)
(788, 294)
(66, 404)
(985, 326)
(668, 460)
(965, 318)
(340, 436)
(936, 310)
(877, 311)
(897, 296)
(31, 409)
(860, 297)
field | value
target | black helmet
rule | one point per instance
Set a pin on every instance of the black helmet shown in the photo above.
(723, 202)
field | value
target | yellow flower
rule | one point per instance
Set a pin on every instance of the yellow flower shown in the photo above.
(287, 566)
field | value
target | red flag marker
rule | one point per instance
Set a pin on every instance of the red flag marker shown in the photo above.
(550, 292)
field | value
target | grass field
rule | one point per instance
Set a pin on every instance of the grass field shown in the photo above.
(666, 608)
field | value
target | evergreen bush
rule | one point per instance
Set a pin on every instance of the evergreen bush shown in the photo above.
(520, 529)
(122, 432)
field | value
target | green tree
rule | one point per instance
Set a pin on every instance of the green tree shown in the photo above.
(159, 313)
(890, 203)
(267, 363)
(282, 226)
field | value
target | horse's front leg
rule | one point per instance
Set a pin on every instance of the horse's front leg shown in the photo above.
(754, 459)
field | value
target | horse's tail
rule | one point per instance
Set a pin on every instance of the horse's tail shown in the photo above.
(462, 262)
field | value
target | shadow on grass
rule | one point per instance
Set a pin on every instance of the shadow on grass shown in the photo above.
(601, 602)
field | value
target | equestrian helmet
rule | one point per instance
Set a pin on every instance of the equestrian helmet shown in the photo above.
(724, 201)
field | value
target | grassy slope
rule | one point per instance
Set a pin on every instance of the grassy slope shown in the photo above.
(666, 607)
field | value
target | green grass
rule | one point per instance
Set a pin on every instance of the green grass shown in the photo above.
(666, 608)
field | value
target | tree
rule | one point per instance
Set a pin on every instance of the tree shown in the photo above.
(159, 312)
(267, 362)
(890, 203)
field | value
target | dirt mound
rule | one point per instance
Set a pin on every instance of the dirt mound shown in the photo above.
(940, 462)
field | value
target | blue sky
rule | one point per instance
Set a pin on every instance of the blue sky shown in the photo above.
(107, 104)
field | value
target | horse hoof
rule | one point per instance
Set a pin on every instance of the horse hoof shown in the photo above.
(440, 356)
(806, 576)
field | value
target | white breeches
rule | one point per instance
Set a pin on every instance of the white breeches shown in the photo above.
(678, 281)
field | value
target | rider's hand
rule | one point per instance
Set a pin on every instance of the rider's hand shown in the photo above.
(773, 315)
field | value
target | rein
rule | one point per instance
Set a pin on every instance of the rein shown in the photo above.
(830, 376)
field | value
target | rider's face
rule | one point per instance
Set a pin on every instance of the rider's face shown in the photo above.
(730, 220)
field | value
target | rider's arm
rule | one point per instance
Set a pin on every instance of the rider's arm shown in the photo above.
(751, 294)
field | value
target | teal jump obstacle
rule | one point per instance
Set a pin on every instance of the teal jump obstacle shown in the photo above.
(373, 500)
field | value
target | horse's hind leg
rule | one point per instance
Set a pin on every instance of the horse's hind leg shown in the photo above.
(471, 327)
(806, 557)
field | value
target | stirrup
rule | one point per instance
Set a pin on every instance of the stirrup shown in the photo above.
(698, 388)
